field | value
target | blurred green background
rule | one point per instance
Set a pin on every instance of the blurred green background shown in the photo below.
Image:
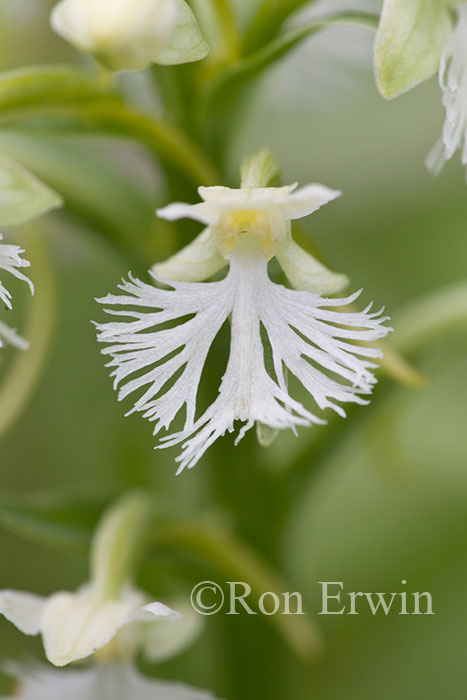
(381, 500)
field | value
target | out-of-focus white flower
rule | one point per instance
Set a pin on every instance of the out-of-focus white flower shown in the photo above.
(415, 39)
(453, 82)
(107, 615)
(273, 329)
(102, 681)
(12, 262)
(131, 34)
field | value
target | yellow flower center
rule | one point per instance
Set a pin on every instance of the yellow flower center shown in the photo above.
(269, 225)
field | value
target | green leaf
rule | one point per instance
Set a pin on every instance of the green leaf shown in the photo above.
(101, 192)
(62, 521)
(22, 196)
(409, 43)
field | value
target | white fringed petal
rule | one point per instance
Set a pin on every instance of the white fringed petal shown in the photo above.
(306, 334)
(11, 261)
(11, 337)
(453, 83)
(104, 681)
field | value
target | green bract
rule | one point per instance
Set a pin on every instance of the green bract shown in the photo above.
(22, 196)
(409, 43)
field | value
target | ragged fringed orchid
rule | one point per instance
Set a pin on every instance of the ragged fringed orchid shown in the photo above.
(11, 261)
(112, 681)
(108, 615)
(22, 198)
(129, 34)
(416, 39)
(162, 349)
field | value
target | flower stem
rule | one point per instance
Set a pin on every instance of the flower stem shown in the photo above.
(430, 316)
(235, 560)
(228, 26)
(70, 99)
(268, 20)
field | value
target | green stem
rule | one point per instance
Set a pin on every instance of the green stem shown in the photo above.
(431, 316)
(267, 21)
(228, 26)
(219, 103)
(23, 376)
(253, 64)
(69, 99)
(233, 559)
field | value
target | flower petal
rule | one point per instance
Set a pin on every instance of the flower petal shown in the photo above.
(198, 261)
(202, 212)
(10, 336)
(409, 43)
(173, 356)
(75, 625)
(163, 639)
(245, 196)
(110, 681)
(11, 261)
(305, 272)
(186, 43)
(39, 682)
(24, 610)
(453, 82)
(303, 335)
(307, 200)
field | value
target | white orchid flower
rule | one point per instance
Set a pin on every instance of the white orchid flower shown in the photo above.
(453, 82)
(165, 346)
(129, 35)
(11, 261)
(107, 615)
(416, 39)
(103, 681)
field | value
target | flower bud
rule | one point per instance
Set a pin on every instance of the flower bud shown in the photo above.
(131, 34)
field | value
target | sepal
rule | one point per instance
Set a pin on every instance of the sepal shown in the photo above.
(409, 43)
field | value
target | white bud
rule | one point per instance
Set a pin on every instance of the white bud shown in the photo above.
(131, 34)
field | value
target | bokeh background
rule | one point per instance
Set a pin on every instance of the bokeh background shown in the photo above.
(381, 500)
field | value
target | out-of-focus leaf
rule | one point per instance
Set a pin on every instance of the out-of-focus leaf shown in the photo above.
(48, 87)
(61, 521)
(67, 98)
(22, 196)
(110, 197)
